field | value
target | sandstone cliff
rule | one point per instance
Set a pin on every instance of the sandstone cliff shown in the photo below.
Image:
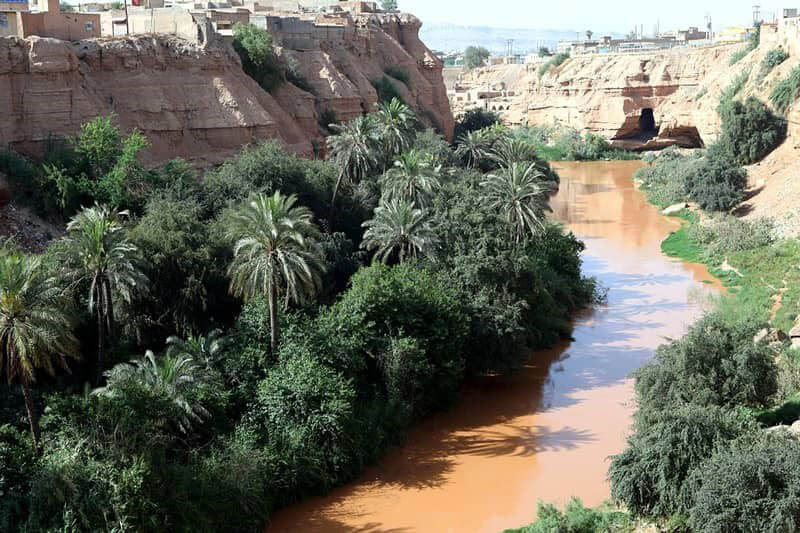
(608, 95)
(196, 102)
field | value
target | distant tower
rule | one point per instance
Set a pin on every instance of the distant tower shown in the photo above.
(709, 26)
(756, 15)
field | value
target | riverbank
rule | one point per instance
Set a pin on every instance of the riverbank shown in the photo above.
(536, 434)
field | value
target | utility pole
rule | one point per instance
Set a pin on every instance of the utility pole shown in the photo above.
(127, 23)
(756, 15)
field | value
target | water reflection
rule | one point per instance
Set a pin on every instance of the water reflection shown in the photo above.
(545, 432)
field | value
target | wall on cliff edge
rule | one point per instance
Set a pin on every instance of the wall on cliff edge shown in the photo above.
(196, 102)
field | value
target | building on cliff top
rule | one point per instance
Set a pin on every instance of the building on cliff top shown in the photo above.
(21, 18)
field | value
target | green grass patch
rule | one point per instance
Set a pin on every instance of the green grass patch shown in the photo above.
(785, 414)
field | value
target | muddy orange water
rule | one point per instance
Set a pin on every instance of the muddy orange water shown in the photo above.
(545, 432)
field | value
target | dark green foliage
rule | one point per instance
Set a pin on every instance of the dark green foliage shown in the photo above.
(716, 363)
(434, 146)
(544, 52)
(690, 398)
(553, 62)
(386, 89)
(749, 130)
(475, 56)
(774, 57)
(786, 91)
(715, 182)
(259, 61)
(183, 442)
(652, 477)
(398, 73)
(302, 410)
(576, 519)
(17, 461)
(475, 120)
(186, 274)
(753, 486)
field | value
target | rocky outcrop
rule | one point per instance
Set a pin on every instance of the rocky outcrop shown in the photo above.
(196, 102)
(623, 97)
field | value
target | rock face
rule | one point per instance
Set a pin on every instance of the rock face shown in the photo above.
(197, 103)
(610, 94)
(628, 98)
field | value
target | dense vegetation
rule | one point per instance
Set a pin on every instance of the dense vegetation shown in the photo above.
(715, 179)
(700, 457)
(244, 340)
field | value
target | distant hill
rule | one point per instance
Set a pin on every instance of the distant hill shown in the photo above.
(449, 37)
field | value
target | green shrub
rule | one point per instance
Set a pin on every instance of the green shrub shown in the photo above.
(736, 86)
(774, 57)
(302, 410)
(786, 91)
(664, 181)
(475, 120)
(475, 56)
(652, 477)
(399, 74)
(386, 89)
(577, 519)
(751, 486)
(255, 49)
(715, 183)
(716, 363)
(430, 143)
(725, 234)
(17, 464)
(553, 62)
(749, 130)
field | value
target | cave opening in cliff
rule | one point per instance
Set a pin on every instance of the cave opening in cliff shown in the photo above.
(647, 123)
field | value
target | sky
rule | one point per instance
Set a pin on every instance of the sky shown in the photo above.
(598, 15)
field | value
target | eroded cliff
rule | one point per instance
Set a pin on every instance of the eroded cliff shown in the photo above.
(650, 100)
(196, 102)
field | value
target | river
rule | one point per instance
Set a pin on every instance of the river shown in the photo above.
(544, 433)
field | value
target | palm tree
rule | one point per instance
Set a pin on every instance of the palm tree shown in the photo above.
(513, 150)
(473, 147)
(35, 332)
(396, 124)
(413, 179)
(172, 377)
(277, 249)
(520, 194)
(98, 253)
(353, 149)
(206, 349)
(398, 229)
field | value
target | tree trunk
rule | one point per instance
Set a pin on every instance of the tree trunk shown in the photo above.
(273, 316)
(33, 419)
(333, 200)
(101, 333)
(109, 311)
